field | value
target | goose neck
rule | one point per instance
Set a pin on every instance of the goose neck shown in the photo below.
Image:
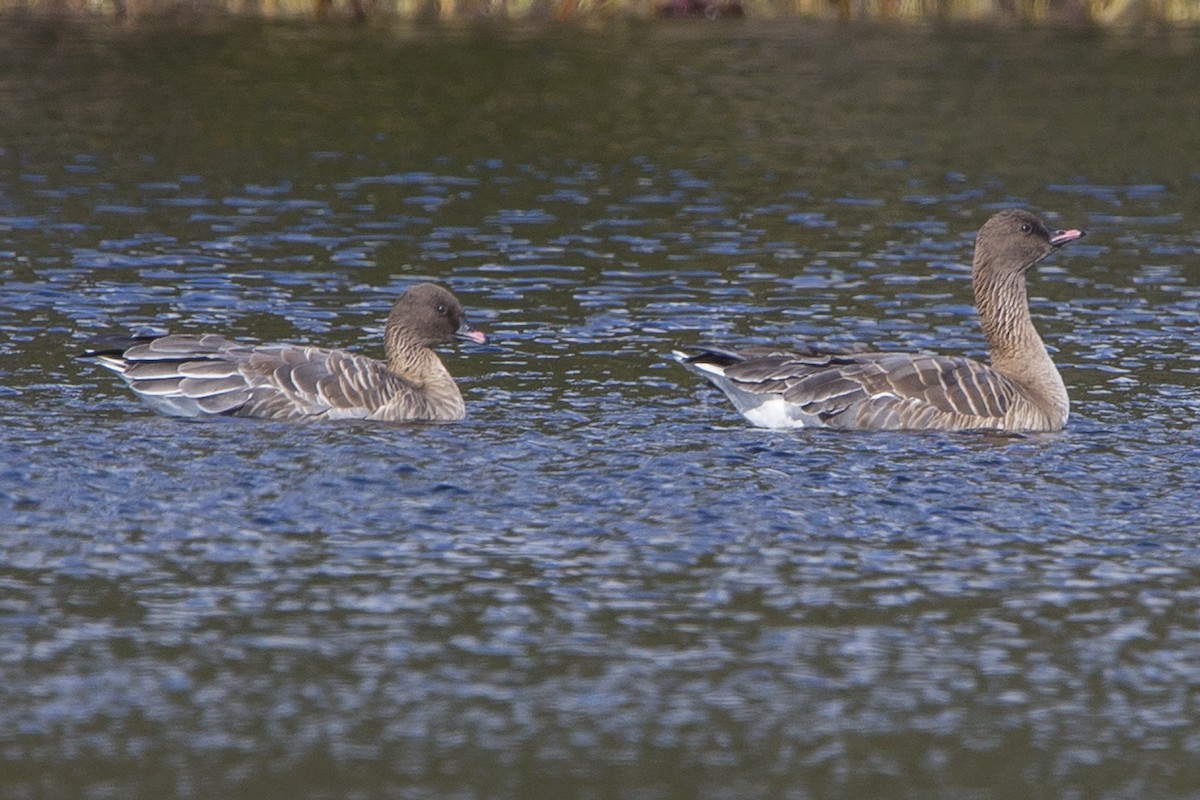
(1003, 305)
(1017, 351)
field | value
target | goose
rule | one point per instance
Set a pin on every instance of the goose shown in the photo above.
(1020, 391)
(206, 375)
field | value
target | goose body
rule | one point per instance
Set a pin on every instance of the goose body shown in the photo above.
(1021, 389)
(210, 375)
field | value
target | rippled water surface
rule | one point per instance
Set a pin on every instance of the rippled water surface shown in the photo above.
(603, 583)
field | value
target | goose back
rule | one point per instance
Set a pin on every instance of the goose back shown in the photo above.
(883, 391)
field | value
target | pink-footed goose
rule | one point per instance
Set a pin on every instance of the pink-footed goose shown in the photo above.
(208, 374)
(1020, 391)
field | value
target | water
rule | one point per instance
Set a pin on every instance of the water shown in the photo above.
(603, 583)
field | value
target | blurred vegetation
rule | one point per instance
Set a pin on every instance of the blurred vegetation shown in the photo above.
(1101, 12)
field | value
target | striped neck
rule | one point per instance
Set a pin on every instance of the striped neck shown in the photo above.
(1015, 348)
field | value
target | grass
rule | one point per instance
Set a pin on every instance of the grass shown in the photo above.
(1100, 12)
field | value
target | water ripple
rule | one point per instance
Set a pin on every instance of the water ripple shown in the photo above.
(603, 581)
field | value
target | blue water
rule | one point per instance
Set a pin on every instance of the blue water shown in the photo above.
(603, 583)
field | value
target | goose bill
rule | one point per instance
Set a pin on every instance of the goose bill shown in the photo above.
(471, 334)
(1059, 238)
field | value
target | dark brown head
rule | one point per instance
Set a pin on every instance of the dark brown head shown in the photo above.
(1013, 240)
(426, 315)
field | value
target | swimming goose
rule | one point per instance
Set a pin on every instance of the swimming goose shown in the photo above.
(1020, 391)
(207, 374)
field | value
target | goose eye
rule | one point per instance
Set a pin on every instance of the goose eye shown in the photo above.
(1026, 227)
(441, 309)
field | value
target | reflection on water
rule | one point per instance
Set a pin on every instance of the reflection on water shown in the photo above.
(603, 583)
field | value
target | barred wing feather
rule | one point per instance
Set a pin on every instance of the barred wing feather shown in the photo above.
(864, 390)
(209, 374)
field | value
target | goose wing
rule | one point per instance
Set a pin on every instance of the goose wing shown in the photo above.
(896, 390)
(866, 390)
(189, 375)
(294, 382)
